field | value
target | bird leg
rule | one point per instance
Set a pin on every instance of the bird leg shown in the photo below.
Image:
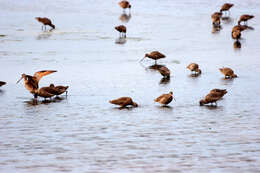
(42, 27)
(66, 93)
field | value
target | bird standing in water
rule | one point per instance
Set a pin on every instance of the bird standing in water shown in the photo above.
(210, 98)
(165, 99)
(124, 102)
(45, 21)
(227, 72)
(125, 5)
(122, 30)
(193, 67)
(31, 83)
(155, 55)
(165, 72)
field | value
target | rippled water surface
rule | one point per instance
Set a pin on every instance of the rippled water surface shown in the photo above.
(84, 133)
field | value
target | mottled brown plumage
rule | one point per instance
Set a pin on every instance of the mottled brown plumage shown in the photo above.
(123, 102)
(218, 92)
(165, 99)
(32, 82)
(244, 18)
(155, 55)
(46, 92)
(124, 4)
(227, 72)
(122, 30)
(193, 67)
(45, 21)
(226, 7)
(59, 89)
(210, 98)
(216, 18)
(239, 28)
(165, 72)
(2, 83)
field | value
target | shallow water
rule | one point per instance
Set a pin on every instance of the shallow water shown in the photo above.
(84, 133)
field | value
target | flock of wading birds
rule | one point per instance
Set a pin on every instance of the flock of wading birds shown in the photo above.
(32, 82)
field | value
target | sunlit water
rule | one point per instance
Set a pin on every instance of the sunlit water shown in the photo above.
(84, 133)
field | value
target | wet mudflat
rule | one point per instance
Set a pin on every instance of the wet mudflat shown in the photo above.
(84, 133)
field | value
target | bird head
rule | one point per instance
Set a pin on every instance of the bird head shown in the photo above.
(52, 85)
(22, 77)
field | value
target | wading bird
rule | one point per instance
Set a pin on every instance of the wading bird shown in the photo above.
(45, 21)
(155, 55)
(193, 67)
(165, 72)
(125, 5)
(244, 18)
(124, 102)
(165, 99)
(210, 98)
(122, 30)
(31, 83)
(227, 72)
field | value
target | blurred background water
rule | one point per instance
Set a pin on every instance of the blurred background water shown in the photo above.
(84, 133)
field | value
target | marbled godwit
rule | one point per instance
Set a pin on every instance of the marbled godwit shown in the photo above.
(244, 18)
(218, 92)
(123, 102)
(226, 7)
(2, 83)
(155, 55)
(59, 89)
(122, 30)
(125, 5)
(31, 82)
(216, 18)
(165, 99)
(236, 34)
(193, 67)
(228, 72)
(210, 98)
(165, 72)
(45, 21)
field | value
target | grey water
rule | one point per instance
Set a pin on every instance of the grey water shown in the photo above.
(83, 132)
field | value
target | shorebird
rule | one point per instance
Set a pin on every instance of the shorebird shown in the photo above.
(228, 72)
(226, 7)
(45, 21)
(124, 102)
(2, 83)
(165, 99)
(244, 18)
(122, 30)
(155, 55)
(125, 5)
(165, 72)
(216, 18)
(210, 98)
(236, 34)
(31, 83)
(193, 67)
(218, 92)
(59, 89)
(46, 92)
(239, 28)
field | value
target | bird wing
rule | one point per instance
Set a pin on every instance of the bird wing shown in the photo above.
(38, 75)
(120, 101)
(157, 54)
(158, 99)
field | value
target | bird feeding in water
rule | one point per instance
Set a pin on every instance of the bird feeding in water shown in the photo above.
(124, 102)
(165, 99)
(193, 67)
(165, 72)
(210, 98)
(155, 55)
(125, 5)
(31, 83)
(228, 73)
(45, 21)
(122, 30)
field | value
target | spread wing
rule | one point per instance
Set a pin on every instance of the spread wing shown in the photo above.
(38, 75)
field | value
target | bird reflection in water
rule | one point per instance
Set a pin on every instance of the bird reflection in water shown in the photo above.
(216, 28)
(227, 20)
(44, 35)
(120, 40)
(165, 81)
(237, 44)
(125, 17)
